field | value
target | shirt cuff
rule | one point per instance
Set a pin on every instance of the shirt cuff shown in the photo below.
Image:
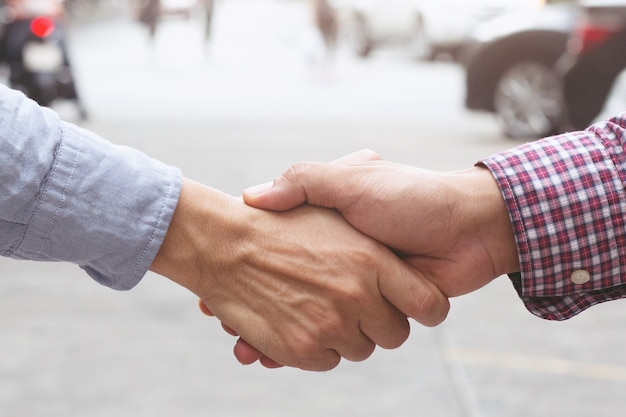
(566, 201)
(104, 207)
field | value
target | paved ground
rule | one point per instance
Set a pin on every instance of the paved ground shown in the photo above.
(237, 113)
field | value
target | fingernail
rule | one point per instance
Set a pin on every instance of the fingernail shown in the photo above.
(259, 189)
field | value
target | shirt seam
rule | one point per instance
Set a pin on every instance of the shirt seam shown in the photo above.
(47, 182)
(156, 227)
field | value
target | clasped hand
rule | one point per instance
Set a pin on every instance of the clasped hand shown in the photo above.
(444, 235)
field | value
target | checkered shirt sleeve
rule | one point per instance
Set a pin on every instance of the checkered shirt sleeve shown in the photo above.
(566, 199)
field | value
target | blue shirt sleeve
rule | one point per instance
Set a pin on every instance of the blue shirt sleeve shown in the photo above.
(68, 195)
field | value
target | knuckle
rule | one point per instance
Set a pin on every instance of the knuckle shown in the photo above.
(429, 309)
(295, 173)
(397, 336)
(306, 346)
(362, 352)
(309, 353)
(329, 362)
(296, 179)
(333, 327)
(367, 255)
(351, 290)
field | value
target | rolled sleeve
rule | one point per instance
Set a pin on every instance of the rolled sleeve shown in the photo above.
(103, 207)
(566, 200)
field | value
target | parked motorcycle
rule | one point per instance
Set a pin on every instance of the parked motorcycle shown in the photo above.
(36, 53)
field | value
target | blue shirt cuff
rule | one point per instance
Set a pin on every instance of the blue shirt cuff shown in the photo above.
(104, 207)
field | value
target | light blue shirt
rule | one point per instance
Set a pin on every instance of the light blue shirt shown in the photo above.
(69, 195)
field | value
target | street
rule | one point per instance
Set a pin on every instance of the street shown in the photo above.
(237, 111)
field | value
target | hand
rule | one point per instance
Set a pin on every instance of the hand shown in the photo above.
(244, 352)
(452, 227)
(301, 287)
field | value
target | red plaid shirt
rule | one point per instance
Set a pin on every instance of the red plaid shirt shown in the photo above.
(567, 203)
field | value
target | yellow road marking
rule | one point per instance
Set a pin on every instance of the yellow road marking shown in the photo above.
(543, 365)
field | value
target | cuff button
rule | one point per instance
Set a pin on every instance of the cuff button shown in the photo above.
(580, 277)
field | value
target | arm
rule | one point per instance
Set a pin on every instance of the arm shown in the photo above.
(566, 200)
(302, 287)
(68, 195)
(555, 213)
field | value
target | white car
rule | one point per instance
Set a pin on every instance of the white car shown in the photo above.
(427, 27)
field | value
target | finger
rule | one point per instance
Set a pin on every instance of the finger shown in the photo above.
(353, 343)
(207, 311)
(385, 324)
(307, 353)
(204, 309)
(413, 294)
(245, 353)
(312, 182)
(357, 349)
(315, 183)
(270, 363)
(229, 330)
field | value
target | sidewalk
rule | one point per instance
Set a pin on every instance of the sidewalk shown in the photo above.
(73, 349)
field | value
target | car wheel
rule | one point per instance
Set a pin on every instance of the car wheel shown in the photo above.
(528, 100)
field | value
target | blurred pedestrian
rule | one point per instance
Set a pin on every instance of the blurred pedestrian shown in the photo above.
(148, 13)
(325, 19)
(208, 18)
(319, 39)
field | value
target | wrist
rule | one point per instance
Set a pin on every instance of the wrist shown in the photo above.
(204, 222)
(489, 219)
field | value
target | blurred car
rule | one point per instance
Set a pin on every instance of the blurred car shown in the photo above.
(597, 58)
(426, 27)
(510, 69)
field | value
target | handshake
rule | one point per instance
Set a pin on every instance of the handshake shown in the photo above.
(340, 257)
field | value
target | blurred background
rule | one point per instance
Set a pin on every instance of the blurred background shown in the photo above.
(233, 92)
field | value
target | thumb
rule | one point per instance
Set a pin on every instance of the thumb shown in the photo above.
(318, 184)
